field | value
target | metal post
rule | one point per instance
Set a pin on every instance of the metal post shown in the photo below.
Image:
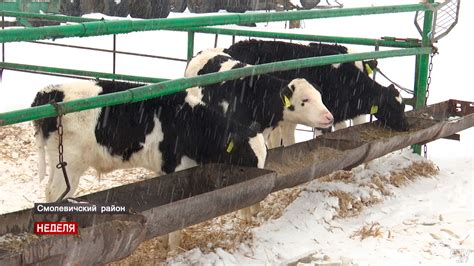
(3, 44)
(190, 45)
(423, 66)
(3, 48)
(114, 54)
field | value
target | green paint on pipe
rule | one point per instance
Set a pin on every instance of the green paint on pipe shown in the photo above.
(173, 86)
(126, 26)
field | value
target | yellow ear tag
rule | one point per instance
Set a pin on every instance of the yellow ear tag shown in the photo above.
(230, 147)
(368, 69)
(374, 109)
(286, 102)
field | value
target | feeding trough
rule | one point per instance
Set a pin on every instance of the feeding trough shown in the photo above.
(167, 203)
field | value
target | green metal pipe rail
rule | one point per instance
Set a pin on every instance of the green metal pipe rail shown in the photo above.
(126, 26)
(44, 69)
(238, 32)
(307, 37)
(173, 86)
(51, 17)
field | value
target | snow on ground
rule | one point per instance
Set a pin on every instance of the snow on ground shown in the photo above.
(428, 221)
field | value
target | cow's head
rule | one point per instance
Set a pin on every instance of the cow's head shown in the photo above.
(390, 109)
(303, 105)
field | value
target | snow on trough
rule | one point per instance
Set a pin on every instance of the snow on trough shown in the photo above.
(360, 217)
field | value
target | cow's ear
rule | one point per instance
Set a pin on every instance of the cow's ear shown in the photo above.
(229, 148)
(393, 90)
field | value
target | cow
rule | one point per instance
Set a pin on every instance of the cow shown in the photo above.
(262, 98)
(164, 134)
(346, 90)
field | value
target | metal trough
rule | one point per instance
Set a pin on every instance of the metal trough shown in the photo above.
(175, 201)
(164, 204)
(349, 147)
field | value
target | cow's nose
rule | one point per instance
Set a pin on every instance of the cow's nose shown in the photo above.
(329, 117)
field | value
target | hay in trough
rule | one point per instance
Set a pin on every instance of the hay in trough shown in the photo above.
(292, 161)
(373, 132)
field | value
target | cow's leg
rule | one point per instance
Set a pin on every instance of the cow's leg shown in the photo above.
(288, 133)
(340, 125)
(248, 212)
(245, 214)
(57, 184)
(274, 138)
(174, 241)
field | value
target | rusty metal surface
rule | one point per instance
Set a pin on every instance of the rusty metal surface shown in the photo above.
(166, 203)
(428, 124)
(105, 239)
(175, 201)
(181, 199)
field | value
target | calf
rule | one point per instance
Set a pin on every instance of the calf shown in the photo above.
(164, 134)
(346, 90)
(264, 98)
(366, 66)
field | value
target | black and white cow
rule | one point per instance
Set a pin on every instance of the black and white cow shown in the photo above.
(264, 98)
(366, 66)
(164, 134)
(346, 90)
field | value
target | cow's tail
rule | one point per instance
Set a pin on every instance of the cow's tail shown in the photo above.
(40, 144)
(46, 126)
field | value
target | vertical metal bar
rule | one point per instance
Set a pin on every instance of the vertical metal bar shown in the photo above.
(190, 45)
(3, 48)
(3, 44)
(423, 66)
(114, 53)
(215, 40)
(417, 76)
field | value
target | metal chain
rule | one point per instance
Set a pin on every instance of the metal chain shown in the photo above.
(60, 145)
(430, 69)
(62, 164)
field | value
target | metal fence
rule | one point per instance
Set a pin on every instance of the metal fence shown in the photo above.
(92, 27)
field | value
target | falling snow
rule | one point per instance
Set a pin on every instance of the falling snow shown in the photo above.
(429, 220)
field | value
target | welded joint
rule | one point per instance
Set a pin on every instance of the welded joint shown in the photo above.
(435, 6)
(59, 108)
